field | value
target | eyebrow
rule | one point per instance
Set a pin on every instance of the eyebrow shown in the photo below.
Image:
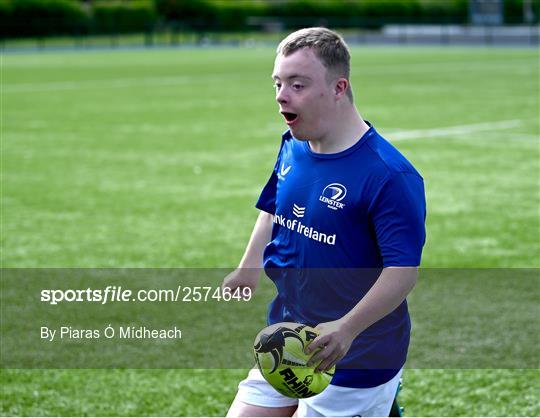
(275, 77)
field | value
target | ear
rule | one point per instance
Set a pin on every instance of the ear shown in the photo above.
(340, 90)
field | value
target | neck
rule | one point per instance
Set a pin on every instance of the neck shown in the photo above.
(344, 133)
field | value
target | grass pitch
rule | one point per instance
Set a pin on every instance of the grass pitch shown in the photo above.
(155, 159)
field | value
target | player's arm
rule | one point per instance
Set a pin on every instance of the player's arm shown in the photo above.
(388, 292)
(248, 271)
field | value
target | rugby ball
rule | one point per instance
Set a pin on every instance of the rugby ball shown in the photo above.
(279, 354)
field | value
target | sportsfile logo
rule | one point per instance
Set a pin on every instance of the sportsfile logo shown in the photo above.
(283, 172)
(332, 195)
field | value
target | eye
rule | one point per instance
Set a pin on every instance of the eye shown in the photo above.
(297, 86)
(277, 86)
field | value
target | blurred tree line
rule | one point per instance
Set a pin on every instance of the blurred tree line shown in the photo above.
(25, 18)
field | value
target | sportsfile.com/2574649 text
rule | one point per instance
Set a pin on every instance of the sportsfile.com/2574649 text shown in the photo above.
(120, 294)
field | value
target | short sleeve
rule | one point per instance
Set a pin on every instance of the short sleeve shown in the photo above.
(398, 213)
(267, 198)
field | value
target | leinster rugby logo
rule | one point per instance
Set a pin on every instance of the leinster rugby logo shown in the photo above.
(332, 195)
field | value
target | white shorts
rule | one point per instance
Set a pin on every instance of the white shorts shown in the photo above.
(333, 401)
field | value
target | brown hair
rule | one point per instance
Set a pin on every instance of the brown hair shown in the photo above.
(328, 46)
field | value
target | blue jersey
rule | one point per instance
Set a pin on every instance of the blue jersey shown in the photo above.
(338, 220)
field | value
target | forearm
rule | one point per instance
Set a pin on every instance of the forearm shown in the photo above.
(388, 292)
(260, 237)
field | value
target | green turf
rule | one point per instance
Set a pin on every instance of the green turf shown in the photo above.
(207, 392)
(155, 158)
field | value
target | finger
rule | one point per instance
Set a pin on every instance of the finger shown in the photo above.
(226, 282)
(319, 341)
(327, 363)
(321, 354)
(317, 357)
(229, 286)
(339, 354)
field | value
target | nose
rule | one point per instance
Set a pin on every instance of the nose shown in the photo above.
(281, 96)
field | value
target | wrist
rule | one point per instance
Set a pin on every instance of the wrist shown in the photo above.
(350, 326)
(251, 273)
(250, 261)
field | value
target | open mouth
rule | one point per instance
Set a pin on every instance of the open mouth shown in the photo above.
(289, 117)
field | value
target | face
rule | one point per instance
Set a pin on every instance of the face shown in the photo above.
(306, 99)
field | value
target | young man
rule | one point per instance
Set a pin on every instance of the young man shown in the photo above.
(340, 233)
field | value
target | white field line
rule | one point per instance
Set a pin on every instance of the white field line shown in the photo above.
(453, 130)
(514, 136)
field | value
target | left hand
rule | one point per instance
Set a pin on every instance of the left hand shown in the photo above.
(334, 339)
